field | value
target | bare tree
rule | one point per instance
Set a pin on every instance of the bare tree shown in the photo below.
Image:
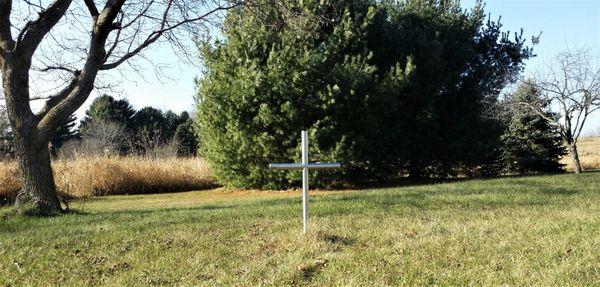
(100, 138)
(571, 89)
(66, 44)
(103, 137)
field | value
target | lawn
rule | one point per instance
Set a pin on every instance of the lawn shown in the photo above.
(530, 231)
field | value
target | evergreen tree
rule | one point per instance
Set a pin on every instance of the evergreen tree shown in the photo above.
(384, 87)
(64, 133)
(463, 62)
(173, 121)
(187, 143)
(152, 121)
(530, 142)
(150, 129)
(106, 108)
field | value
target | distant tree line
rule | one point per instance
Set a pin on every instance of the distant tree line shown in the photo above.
(388, 88)
(116, 127)
(113, 126)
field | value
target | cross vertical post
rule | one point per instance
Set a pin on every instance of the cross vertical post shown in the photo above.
(304, 135)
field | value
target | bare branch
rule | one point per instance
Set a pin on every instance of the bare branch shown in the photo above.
(139, 15)
(164, 28)
(6, 41)
(75, 54)
(572, 89)
(65, 105)
(34, 31)
(62, 68)
(92, 8)
(39, 98)
(58, 97)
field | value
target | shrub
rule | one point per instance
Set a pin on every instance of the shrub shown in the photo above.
(383, 88)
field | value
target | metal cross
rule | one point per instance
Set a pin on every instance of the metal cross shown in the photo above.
(305, 166)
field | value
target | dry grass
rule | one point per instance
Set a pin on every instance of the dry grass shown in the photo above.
(9, 181)
(91, 176)
(589, 154)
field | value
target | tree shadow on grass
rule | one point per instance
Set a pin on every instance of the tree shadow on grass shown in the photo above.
(553, 190)
(77, 217)
(560, 191)
(337, 204)
(406, 182)
(380, 198)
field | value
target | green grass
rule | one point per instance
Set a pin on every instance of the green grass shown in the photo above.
(529, 231)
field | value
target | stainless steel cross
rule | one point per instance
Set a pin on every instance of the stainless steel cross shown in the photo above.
(305, 166)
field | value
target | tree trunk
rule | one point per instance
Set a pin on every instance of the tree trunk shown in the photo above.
(38, 194)
(575, 157)
(38, 188)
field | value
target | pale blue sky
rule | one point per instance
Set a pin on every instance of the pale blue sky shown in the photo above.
(563, 23)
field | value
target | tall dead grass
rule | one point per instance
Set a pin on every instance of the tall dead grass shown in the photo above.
(589, 154)
(99, 175)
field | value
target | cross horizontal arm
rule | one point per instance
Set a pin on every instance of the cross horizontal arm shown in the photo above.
(298, 166)
(324, 165)
(286, 166)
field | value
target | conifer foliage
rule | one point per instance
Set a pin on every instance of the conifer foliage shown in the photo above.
(530, 142)
(386, 88)
(187, 143)
(107, 108)
(63, 134)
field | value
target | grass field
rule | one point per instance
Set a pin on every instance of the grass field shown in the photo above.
(530, 231)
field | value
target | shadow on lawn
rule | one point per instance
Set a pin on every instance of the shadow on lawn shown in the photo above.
(272, 209)
(388, 198)
(376, 199)
(407, 182)
(513, 193)
(144, 218)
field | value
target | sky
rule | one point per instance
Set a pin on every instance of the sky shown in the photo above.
(563, 23)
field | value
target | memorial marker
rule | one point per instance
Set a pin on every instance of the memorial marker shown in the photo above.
(305, 166)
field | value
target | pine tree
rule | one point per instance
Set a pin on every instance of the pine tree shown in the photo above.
(107, 108)
(530, 142)
(385, 87)
(64, 133)
(187, 143)
(173, 121)
(153, 122)
(268, 82)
